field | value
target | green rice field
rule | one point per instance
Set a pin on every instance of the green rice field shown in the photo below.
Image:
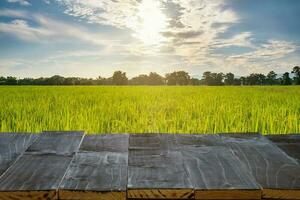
(143, 109)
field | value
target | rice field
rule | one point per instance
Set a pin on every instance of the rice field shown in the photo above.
(150, 109)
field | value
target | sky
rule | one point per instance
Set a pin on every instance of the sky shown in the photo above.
(91, 38)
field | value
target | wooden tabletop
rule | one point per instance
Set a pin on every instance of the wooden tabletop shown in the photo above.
(75, 166)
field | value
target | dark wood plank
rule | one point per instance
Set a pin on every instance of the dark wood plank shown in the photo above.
(34, 177)
(216, 173)
(62, 143)
(198, 140)
(277, 173)
(290, 144)
(291, 149)
(166, 182)
(152, 141)
(109, 142)
(98, 175)
(156, 170)
(292, 138)
(13, 145)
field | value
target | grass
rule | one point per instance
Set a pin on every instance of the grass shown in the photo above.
(150, 109)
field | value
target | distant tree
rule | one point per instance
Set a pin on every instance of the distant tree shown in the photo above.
(195, 81)
(142, 79)
(229, 79)
(286, 80)
(155, 79)
(237, 81)
(256, 79)
(178, 78)
(296, 72)
(11, 80)
(271, 78)
(207, 78)
(55, 80)
(26, 81)
(119, 78)
(2, 80)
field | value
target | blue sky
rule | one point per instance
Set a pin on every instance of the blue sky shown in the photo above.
(94, 38)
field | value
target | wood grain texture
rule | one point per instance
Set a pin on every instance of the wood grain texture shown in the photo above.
(29, 195)
(91, 195)
(228, 194)
(217, 174)
(270, 166)
(13, 145)
(34, 175)
(152, 141)
(160, 194)
(290, 144)
(156, 169)
(292, 138)
(59, 143)
(109, 142)
(96, 171)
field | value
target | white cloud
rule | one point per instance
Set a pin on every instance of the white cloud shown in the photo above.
(21, 2)
(48, 30)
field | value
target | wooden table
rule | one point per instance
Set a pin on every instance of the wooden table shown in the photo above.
(74, 166)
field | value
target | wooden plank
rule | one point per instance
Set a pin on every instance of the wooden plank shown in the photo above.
(34, 177)
(198, 140)
(155, 170)
(276, 172)
(152, 141)
(217, 174)
(292, 138)
(95, 175)
(154, 157)
(291, 149)
(109, 142)
(167, 182)
(290, 144)
(160, 194)
(13, 145)
(60, 143)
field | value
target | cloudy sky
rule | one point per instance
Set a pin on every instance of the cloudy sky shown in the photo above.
(89, 38)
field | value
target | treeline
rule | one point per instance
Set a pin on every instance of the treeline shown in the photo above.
(175, 78)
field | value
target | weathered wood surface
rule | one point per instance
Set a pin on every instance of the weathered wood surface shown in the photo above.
(155, 171)
(98, 170)
(34, 177)
(215, 172)
(12, 145)
(60, 143)
(108, 142)
(149, 166)
(277, 173)
(217, 169)
(99, 175)
(290, 144)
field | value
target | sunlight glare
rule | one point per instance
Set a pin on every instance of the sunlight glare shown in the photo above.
(152, 22)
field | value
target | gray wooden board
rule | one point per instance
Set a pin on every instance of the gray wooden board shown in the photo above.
(270, 166)
(13, 145)
(198, 140)
(158, 177)
(290, 144)
(154, 157)
(156, 169)
(152, 141)
(217, 168)
(63, 143)
(291, 149)
(109, 142)
(96, 171)
(34, 173)
(214, 168)
(293, 138)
